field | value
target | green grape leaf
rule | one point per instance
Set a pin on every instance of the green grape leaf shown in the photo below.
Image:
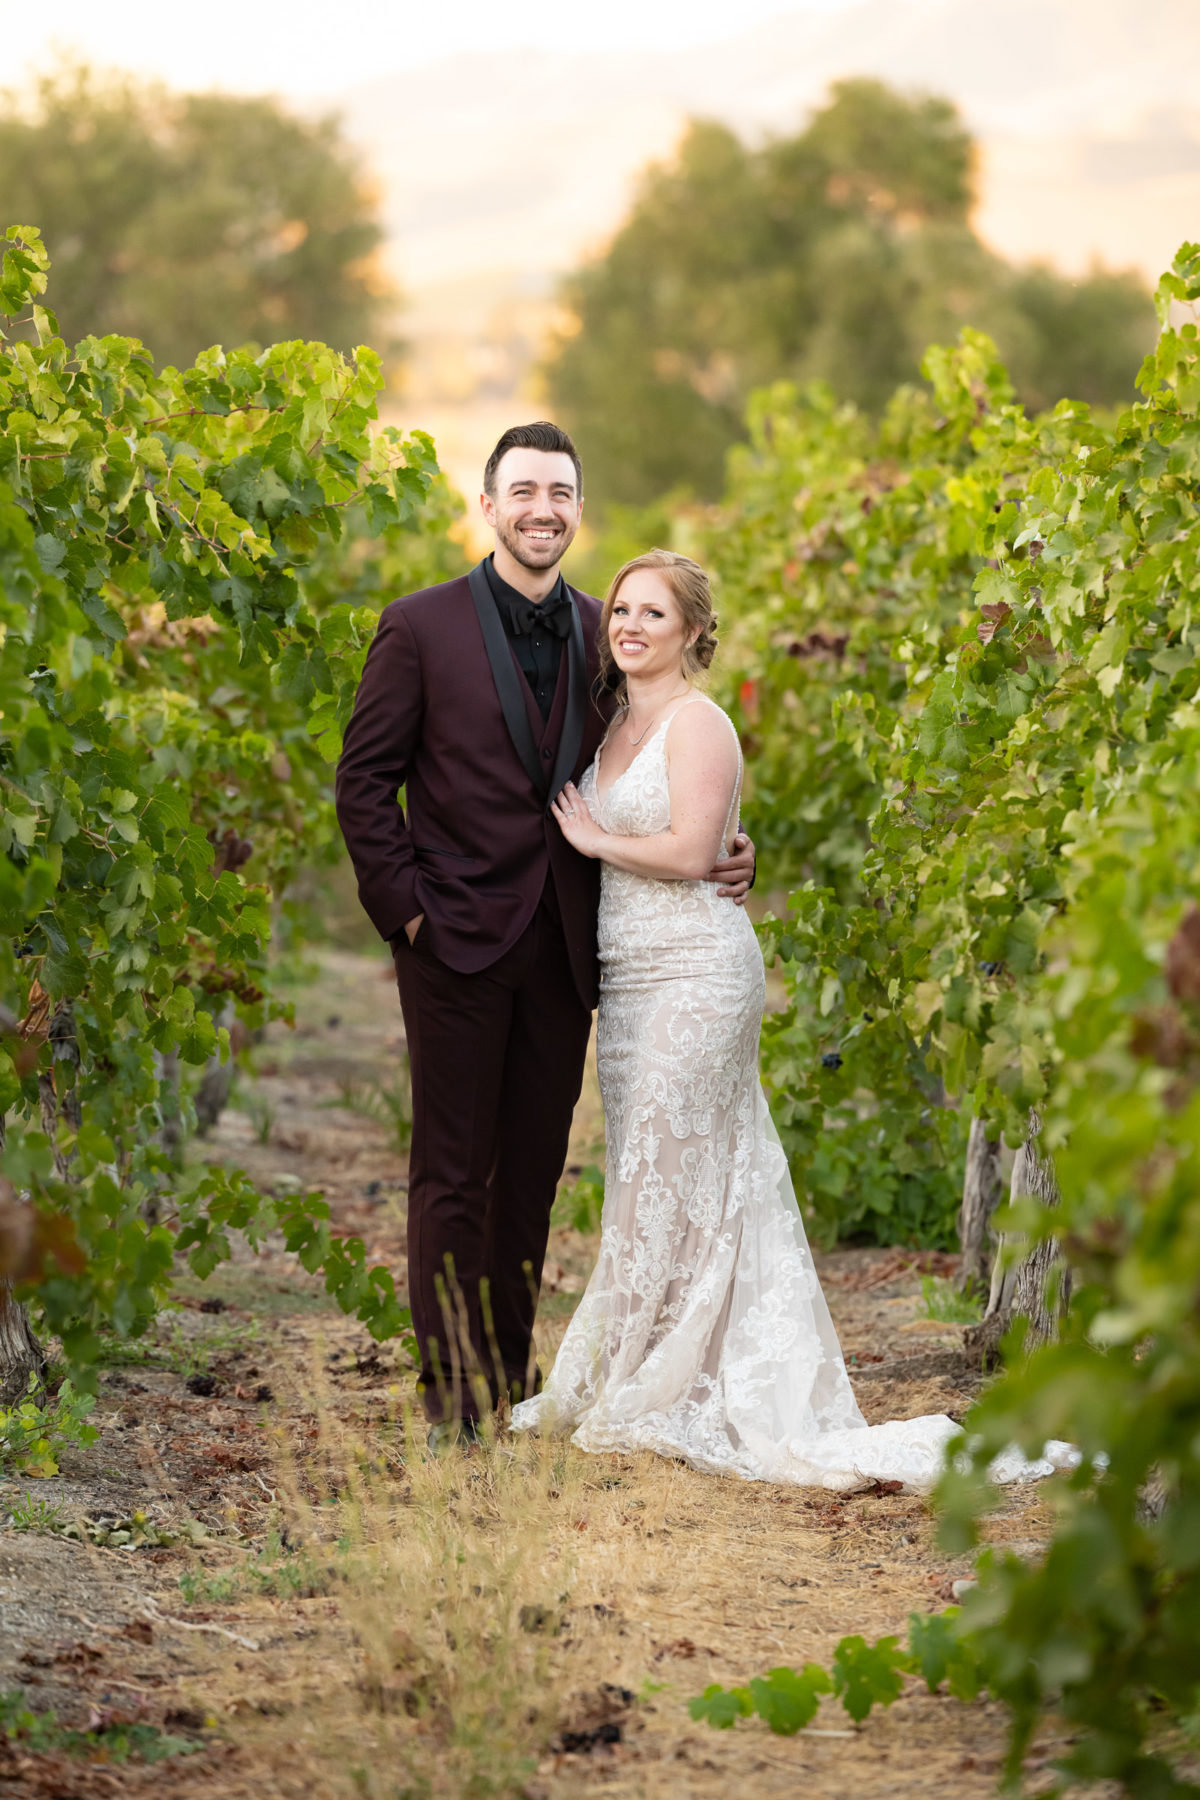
(867, 1675)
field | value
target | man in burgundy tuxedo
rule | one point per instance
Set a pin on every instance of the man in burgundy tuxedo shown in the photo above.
(479, 699)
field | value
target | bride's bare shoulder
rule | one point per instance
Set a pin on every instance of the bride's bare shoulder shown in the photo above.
(701, 728)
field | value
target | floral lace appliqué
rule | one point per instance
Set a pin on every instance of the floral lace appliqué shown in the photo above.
(703, 1333)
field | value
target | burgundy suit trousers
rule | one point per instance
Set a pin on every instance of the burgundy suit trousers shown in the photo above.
(497, 1063)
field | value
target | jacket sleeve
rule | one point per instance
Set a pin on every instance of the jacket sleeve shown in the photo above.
(382, 735)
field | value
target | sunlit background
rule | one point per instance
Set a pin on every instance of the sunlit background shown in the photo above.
(500, 152)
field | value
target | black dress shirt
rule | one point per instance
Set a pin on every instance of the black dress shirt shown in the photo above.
(536, 630)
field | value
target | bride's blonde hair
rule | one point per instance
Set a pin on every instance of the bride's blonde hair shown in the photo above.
(692, 595)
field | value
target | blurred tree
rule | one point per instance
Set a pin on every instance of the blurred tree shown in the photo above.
(193, 219)
(841, 253)
(1086, 336)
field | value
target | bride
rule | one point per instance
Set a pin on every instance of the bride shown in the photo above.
(703, 1333)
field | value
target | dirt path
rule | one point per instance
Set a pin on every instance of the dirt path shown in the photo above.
(263, 1563)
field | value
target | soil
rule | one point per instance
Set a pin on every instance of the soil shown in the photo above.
(182, 1601)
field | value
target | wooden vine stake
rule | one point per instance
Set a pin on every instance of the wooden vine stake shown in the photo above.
(982, 1187)
(1036, 1285)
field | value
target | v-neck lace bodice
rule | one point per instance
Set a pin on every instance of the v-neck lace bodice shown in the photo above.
(659, 732)
(638, 799)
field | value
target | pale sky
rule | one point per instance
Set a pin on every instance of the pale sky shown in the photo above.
(310, 49)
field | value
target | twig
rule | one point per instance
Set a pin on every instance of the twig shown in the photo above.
(160, 1618)
(195, 412)
(343, 401)
(80, 1619)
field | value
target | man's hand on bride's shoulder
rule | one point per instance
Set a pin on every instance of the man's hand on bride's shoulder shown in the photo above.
(576, 822)
(735, 872)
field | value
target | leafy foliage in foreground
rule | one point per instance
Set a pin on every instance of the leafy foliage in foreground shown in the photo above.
(113, 1739)
(32, 1432)
(786, 1699)
(190, 568)
(966, 657)
(861, 1676)
(947, 1652)
(580, 1201)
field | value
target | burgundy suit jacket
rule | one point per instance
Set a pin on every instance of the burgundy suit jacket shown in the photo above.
(444, 712)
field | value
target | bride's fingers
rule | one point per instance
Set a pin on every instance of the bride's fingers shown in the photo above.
(569, 805)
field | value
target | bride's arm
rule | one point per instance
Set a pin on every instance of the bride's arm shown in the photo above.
(702, 768)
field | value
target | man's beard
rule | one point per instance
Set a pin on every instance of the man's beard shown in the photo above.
(535, 556)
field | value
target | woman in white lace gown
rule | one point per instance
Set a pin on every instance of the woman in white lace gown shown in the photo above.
(703, 1333)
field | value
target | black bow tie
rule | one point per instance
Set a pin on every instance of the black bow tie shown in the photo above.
(553, 615)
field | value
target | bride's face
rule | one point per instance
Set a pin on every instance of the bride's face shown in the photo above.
(646, 632)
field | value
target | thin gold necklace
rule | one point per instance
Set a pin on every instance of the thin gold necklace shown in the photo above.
(635, 741)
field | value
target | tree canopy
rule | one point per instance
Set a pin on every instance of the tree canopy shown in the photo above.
(191, 219)
(838, 254)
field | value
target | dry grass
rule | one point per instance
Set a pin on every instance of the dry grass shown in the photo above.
(489, 1611)
(459, 1574)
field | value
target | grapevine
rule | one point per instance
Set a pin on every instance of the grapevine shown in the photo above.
(191, 564)
(966, 657)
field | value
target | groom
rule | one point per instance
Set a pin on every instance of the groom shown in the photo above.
(477, 700)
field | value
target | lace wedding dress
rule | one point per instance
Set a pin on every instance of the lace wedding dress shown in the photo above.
(703, 1333)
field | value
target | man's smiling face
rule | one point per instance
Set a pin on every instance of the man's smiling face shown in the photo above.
(535, 510)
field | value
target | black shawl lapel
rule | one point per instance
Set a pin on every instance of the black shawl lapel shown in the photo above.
(573, 718)
(508, 678)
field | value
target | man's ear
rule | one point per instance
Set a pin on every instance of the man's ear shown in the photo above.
(487, 507)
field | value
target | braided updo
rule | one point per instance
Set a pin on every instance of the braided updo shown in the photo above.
(693, 596)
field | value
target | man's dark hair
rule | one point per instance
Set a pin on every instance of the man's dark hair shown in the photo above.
(541, 435)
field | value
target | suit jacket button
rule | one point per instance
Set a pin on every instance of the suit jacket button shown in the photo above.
(545, 755)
